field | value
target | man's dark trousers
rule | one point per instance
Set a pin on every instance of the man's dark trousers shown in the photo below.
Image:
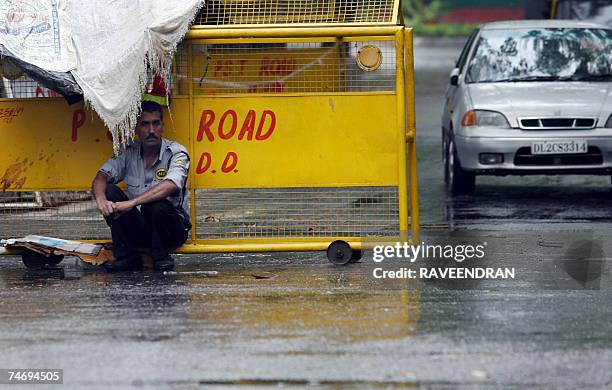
(156, 226)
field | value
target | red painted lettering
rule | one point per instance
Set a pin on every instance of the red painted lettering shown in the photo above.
(206, 120)
(232, 131)
(217, 68)
(230, 162)
(78, 119)
(278, 87)
(275, 87)
(260, 136)
(248, 127)
(8, 114)
(204, 163)
(226, 128)
(277, 66)
(229, 68)
(263, 68)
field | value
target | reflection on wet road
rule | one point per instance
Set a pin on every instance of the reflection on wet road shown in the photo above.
(535, 204)
(292, 319)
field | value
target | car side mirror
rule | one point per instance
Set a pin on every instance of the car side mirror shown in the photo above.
(454, 77)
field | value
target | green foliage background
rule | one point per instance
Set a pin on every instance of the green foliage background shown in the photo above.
(417, 14)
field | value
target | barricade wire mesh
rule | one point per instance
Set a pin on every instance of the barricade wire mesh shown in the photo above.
(221, 213)
(23, 88)
(232, 12)
(68, 215)
(308, 67)
(297, 212)
(292, 67)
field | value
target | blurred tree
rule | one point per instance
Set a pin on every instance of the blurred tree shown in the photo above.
(419, 12)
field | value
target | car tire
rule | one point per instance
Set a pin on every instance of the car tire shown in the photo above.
(445, 159)
(458, 181)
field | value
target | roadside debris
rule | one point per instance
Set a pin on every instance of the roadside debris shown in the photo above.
(204, 273)
(263, 275)
(95, 254)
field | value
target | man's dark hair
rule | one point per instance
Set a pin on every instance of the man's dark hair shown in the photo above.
(149, 106)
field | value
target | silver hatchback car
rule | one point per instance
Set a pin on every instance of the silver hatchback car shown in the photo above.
(529, 97)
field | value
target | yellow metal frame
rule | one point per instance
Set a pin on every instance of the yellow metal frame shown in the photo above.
(411, 133)
(405, 125)
(289, 32)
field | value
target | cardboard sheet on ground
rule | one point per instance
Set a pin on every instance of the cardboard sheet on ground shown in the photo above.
(95, 254)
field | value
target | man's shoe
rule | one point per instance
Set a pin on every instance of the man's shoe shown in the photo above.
(165, 264)
(124, 264)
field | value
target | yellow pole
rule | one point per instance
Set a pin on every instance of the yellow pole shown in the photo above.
(397, 11)
(210, 33)
(401, 128)
(262, 247)
(411, 136)
(194, 210)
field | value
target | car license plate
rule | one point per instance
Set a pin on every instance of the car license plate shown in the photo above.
(566, 146)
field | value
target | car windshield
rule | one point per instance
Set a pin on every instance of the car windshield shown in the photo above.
(598, 11)
(543, 54)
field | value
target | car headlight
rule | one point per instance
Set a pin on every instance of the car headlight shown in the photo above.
(609, 122)
(485, 118)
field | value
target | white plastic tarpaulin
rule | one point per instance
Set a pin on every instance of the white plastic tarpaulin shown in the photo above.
(107, 45)
(38, 32)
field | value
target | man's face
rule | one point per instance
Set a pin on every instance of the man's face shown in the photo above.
(150, 128)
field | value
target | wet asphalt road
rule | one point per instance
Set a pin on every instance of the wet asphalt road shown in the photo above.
(293, 320)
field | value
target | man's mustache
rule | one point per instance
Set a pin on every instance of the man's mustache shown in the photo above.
(152, 136)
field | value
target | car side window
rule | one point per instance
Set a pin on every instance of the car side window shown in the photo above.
(466, 51)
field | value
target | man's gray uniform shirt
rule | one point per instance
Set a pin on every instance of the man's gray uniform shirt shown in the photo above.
(172, 164)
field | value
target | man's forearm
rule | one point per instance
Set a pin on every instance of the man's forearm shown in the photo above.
(99, 185)
(160, 191)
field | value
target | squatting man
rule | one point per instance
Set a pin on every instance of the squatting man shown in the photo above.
(153, 215)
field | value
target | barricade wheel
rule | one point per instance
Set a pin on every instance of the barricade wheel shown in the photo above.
(339, 253)
(37, 260)
(356, 256)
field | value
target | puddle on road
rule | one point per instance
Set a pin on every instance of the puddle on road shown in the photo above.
(306, 320)
(535, 204)
(276, 309)
(269, 302)
(298, 301)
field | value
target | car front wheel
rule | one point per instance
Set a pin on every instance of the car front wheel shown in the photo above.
(458, 181)
(445, 160)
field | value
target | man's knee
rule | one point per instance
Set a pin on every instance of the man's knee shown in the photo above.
(115, 194)
(157, 209)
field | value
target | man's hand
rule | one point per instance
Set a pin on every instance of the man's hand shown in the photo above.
(106, 207)
(121, 208)
(117, 209)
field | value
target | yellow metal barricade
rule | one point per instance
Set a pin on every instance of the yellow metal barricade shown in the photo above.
(299, 119)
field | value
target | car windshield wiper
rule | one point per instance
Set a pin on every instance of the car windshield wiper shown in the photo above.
(525, 79)
(585, 77)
